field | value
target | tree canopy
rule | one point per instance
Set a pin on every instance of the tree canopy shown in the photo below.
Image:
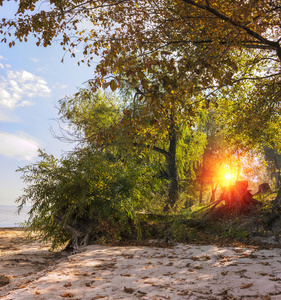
(185, 36)
(172, 53)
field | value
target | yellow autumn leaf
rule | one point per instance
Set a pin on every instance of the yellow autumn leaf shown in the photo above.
(67, 295)
(67, 284)
(246, 286)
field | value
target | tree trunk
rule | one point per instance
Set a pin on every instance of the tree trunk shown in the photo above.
(173, 192)
(277, 173)
(201, 191)
(172, 172)
(202, 181)
(213, 190)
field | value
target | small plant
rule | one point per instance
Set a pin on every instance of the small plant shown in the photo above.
(235, 233)
(102, 240)
(180, 232)
(241, 234)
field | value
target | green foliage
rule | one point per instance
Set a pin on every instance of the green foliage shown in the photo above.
(82, 187)
(100, 186)
(181, 233)
(235, 233)
(251, 111)
(89, 114)
(190, 151)
(266, 198)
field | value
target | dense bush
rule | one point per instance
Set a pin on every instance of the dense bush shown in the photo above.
(83, 195)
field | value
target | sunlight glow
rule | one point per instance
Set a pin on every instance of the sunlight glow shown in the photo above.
(227, 176)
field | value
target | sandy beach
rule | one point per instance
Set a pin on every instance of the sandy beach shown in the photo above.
(182, 271)
(20, 259)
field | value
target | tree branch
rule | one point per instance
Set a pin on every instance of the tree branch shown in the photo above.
(157, 149)
(272, 44)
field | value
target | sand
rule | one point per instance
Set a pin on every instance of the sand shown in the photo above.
(20, 258)
(182, 271)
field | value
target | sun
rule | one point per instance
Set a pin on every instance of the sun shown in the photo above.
(227, 176)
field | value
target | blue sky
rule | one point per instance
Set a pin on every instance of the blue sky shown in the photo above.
(32, 80)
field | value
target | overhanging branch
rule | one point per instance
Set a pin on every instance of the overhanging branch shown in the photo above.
(272, 44)
(157, 149)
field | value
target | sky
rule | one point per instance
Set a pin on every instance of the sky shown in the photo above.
(32, 80)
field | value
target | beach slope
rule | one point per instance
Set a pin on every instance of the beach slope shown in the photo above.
(139, 272)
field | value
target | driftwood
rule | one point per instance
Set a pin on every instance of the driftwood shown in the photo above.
(82, 233)
(233, 201)
(85, 230)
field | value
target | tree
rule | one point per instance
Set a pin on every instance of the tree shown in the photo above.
(106, 123)
(83, 196)
(274, 160)
(228, 156)
(252, 113)
(160, 130)
(214, 154)
(88, 115)
(97, 189)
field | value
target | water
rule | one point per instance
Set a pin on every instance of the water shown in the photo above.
(9, 216)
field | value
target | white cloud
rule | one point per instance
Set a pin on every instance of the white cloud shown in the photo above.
(1, 57)
(8, 66)
(19, 146)
(19, 85)
(1, 66)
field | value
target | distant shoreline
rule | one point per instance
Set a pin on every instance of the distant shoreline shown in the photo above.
(9, 218)
(12, 228)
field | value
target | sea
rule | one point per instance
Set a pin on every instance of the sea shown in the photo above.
(9, 216)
